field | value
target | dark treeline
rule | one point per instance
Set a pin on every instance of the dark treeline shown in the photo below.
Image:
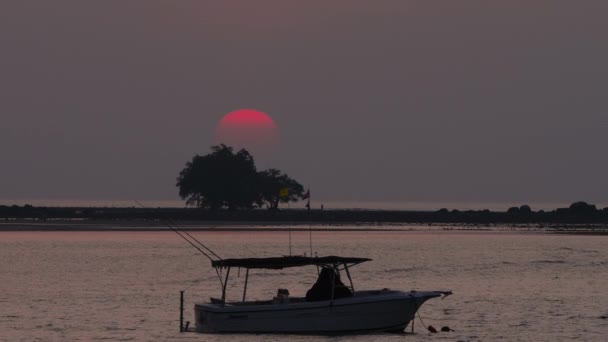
(577, 213)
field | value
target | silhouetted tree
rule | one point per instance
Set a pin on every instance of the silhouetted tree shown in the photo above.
(525, 209)
(582, 208)
(220, 179)
(271, 182)
(513, 210)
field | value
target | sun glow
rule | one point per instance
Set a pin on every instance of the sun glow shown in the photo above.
(247, 128)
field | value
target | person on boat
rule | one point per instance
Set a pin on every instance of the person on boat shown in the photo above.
(322, 289)
(281, 297)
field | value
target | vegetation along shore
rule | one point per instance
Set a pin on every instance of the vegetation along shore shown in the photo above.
(577, 215)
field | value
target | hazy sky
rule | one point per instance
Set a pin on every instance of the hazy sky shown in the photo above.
(498, 101)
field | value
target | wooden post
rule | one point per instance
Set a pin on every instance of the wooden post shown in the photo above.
(181, 311)
(245, 288)
(333, 283)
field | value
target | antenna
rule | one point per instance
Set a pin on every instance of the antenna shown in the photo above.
(309, 224)
(289, 229)
(310, 237)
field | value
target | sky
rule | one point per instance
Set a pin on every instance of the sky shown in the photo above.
(376, 101)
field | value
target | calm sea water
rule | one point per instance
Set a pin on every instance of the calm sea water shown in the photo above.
(124, 286)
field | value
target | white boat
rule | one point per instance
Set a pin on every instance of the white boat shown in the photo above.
(329, 307)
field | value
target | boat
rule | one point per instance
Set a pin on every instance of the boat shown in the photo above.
(329, 306)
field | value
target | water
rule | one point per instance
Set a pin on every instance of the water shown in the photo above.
(86, 286)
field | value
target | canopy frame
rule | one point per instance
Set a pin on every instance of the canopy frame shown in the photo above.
(276, 263)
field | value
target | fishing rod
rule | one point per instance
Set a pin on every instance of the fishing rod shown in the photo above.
(193, 238)
(182, 233)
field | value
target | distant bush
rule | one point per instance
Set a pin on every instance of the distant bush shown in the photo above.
(581, 208)
(513, 210)
(525, 209)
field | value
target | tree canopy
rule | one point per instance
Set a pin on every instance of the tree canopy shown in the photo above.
(271, 182)
(225, 179)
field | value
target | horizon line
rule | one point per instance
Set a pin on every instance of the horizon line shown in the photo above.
(329, 204)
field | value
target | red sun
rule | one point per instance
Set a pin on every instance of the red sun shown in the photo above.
(247, 128)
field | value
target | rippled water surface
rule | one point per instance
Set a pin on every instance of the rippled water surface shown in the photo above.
(125, 286)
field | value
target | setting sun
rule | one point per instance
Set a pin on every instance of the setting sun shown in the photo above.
(247, 128)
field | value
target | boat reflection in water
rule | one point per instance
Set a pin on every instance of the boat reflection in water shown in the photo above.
(329, 307)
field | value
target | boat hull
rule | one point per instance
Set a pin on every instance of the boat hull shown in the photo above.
(368, 311)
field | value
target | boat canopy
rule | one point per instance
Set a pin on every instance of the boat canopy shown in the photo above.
(277, 263)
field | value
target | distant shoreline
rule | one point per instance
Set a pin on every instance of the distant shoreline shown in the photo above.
(211, 226)
(577, 218)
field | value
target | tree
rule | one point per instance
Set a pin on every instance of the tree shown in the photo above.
(220, 179)
(271, 182)
(582, 208)
(227, 179)
(513, 210)
(525, 209)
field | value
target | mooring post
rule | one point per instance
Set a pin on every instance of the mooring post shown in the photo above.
(181, 311)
